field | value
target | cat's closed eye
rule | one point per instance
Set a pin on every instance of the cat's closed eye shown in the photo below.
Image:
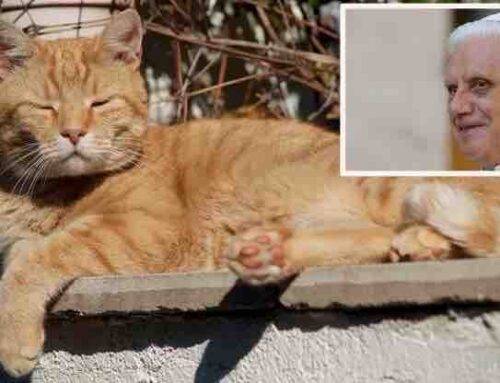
(48, 107)
(99, 102)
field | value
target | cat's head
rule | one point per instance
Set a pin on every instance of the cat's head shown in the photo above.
(71, 107)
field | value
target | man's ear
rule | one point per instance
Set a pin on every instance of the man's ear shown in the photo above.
(122, 38)
(15, 48)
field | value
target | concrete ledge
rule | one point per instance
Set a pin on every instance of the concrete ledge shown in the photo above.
(472, 280)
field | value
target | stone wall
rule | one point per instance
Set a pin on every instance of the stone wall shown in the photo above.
(459, 345)
(413, 322)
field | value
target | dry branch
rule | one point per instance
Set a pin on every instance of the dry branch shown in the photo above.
(308, 61)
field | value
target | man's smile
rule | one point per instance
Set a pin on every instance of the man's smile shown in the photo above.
(469, 127)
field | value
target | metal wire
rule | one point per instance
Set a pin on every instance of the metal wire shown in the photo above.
(34, 29)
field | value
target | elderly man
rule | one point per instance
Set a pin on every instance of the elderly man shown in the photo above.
(472, 78)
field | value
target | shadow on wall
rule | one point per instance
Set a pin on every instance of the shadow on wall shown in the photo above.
(4, 378)
(229, 336)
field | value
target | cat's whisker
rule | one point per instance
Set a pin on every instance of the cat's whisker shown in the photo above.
(32, 183)
(118, 152)
(39, 170)
(24, 175)
(134, 157)
(31, 176)
(44, 170)
(37, 164)
(11, 167)
(18, 158)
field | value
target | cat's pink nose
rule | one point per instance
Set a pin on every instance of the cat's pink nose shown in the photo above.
(73, 135)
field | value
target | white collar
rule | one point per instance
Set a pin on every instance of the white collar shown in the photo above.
(495, 168)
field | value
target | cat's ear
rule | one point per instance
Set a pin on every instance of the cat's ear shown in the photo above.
(122, 37)
(15, 48)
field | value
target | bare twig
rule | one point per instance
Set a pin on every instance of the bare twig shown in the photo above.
(221, 44)
(209, 89)
(329, 101)
(284, 17)
(188, 79)
(290, 53)
(315, 42)
(206, 68)
(216, 44)
(318, 28)
(277, 61)
(227, 83)
(220, 80)
(192, 39)
(179, 83)
(182, 94)
(181, 12)
(313, 85)
(267, 24)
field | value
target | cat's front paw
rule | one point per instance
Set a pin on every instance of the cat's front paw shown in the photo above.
(21, 338)
(419, 243)
(258, 257)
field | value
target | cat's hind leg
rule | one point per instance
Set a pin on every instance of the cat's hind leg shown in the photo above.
(420, 243)
(467, 219)
(257, 255)
(267, 254)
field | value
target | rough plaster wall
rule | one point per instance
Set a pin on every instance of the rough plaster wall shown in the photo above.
(432, 346)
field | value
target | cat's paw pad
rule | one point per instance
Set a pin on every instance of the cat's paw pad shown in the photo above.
(20, 344)
(257, 256)
(419, 243)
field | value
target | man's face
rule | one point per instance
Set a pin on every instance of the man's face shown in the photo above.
(472, 78)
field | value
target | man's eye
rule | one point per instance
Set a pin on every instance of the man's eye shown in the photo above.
(451, 90)
(481, 85)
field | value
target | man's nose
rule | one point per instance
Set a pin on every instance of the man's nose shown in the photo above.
(461, 104)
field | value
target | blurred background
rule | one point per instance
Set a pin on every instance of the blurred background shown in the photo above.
(210, 58)
(396, 115)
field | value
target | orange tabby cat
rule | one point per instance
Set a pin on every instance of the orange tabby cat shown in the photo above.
(86, 189)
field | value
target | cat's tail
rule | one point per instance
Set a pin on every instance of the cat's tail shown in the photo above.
(464, 217)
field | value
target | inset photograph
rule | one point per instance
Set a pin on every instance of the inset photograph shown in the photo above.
(421, 89)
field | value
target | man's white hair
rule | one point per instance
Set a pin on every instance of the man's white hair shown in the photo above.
(487, 26)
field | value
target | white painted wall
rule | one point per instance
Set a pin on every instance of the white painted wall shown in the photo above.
(392, 346)
(395, 100)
